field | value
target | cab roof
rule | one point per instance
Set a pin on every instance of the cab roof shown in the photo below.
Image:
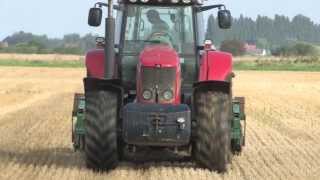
(162, 2)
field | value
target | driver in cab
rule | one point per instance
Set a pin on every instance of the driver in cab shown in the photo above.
(160, 29)
(158, 25)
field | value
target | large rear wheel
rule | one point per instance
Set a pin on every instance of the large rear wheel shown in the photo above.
(101, 130)
(212, 144)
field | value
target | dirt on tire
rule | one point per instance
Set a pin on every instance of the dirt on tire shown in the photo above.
(101, 151)
(212, 143)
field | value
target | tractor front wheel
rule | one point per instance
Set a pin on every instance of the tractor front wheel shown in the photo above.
(101, 130)
(212, 144)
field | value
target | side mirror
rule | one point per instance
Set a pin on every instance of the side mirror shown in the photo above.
(225, 19)
(95, 17)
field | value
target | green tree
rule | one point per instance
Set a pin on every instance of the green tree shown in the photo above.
(298, 49)
(235, 47)
(277, 31)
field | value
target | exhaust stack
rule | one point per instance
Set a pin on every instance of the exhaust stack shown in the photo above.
(109, 58)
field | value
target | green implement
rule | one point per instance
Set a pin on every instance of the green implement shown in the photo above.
(238, 128)
(78, 127)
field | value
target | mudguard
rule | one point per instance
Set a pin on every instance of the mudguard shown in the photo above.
(222, 86)
(215, 66)
(95, 63)
(96, 84)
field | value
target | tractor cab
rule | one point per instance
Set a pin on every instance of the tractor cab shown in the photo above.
(155, 90)
(148, 25)
(175, 23)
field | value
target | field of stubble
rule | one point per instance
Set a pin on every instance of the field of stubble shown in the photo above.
(283, 132)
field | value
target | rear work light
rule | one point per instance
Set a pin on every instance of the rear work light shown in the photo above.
(167, 2)
(186, 1)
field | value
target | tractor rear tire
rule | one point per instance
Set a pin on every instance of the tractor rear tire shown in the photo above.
(212, 144)
(101, 151)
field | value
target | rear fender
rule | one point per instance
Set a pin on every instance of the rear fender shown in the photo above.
(203, 86)
(215, 66)
(95, 64)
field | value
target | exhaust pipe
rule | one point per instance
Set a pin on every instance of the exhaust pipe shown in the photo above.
(109, 58)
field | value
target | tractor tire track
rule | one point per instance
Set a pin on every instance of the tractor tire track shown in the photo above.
(282, 139)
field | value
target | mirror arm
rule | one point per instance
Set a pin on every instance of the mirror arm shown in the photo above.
(206, 8)
(100, 5)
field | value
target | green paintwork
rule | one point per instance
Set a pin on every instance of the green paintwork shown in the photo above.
(237, 134)
(80, 117)
(78, 123)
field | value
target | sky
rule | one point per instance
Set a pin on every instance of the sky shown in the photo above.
(58, 17)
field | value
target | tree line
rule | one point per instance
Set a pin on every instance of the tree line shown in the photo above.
(22, 42)
(265, 32)
(279, 34)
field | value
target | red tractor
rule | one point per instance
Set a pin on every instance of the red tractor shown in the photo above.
(155, 89)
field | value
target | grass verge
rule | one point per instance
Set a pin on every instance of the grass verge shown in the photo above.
(293, 64)
(276, 67)
(40, 63)
(299, 64)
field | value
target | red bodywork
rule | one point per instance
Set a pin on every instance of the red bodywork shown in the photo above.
(95, 63)
(160, 56)
(215, 66)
